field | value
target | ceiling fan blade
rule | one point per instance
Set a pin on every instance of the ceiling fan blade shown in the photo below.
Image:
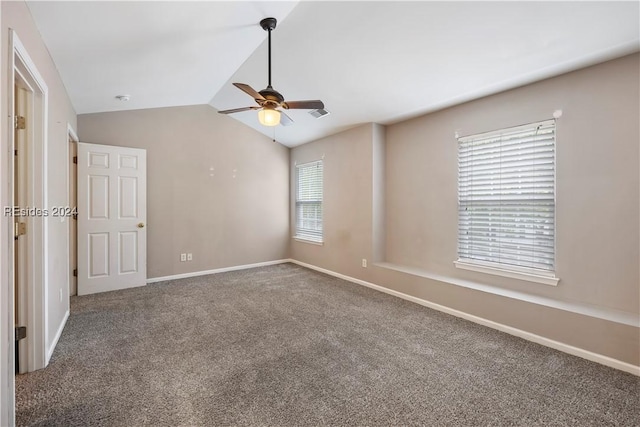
(249, 90)
(303, 105)
(284, 119)
(237, 110)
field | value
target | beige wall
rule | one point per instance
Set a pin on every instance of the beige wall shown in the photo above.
(215, 188)
(16, 15)
(347, 213)
(596, 304)
(597, 182)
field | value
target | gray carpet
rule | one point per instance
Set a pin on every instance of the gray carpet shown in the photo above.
(286, 346)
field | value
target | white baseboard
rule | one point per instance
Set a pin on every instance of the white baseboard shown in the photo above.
(52, 347)
(217, 270)
(575, 351)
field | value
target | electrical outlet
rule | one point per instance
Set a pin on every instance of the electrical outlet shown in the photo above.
(189, 257)
(183, 257)
(364, 262)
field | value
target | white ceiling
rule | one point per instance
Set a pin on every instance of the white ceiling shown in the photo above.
(163, 53)
(368, 61)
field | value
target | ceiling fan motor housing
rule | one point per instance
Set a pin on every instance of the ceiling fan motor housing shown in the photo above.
(272, 95)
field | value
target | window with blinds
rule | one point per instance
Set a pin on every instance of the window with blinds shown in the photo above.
(309, 201)
(506, 198)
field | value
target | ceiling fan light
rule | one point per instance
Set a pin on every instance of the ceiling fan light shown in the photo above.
(269, 117)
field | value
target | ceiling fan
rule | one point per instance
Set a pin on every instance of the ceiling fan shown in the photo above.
(270, 101)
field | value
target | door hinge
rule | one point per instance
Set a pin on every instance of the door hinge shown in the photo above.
(75, 272)
(21, 123)
(20, 228)
(75, 159)
(15, 152)
(21, 332)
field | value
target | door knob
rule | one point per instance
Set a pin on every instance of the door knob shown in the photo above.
(141, 225)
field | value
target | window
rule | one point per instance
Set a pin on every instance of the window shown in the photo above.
(309, 201)
(506, 201)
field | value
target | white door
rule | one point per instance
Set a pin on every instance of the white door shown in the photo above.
(112, 215)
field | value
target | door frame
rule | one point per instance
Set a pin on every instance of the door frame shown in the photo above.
(72, 182)
(22, 66)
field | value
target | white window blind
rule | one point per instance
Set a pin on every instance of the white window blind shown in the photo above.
(309, 201)
(506, 197)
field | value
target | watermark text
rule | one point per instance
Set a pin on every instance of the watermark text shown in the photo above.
(55, 211)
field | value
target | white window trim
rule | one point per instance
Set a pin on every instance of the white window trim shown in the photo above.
(516, 272)
(529, 274)
(312, 242)
(300, 237)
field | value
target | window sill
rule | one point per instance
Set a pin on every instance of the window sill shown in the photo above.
(311, 242)
(545, 279)
(612, 315)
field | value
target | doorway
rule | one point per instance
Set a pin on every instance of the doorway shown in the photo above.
(23, 95)
(28, 200)
(23, 281)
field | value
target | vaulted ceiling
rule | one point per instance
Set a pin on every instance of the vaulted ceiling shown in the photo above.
(380, 61)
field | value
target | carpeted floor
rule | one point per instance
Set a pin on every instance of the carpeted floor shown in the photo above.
(286, 346)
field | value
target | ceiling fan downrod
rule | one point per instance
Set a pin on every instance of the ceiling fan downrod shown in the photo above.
(269, 24)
